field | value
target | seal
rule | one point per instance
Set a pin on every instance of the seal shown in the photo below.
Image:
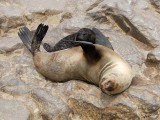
(84, 34)
(89, 62)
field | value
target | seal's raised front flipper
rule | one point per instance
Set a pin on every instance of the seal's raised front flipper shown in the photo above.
(33, 42)
(90, 51)
(101, 39)
(84, 34)
(62, 44)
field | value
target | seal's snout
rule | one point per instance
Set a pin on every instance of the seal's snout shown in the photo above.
(108, 86)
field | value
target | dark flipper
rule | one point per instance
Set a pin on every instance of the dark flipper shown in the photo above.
(62, 44)
(94, 36)
(38, 37)
(101, 39)
(26, 36)
(84, 34)
(32, 42)
(91, 53)
(29, 34)
(48, 48)
(71, 37)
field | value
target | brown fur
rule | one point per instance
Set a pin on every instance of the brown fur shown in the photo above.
(89, 62)
(111, 72)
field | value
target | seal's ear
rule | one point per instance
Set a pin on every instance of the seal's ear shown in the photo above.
(90, 51)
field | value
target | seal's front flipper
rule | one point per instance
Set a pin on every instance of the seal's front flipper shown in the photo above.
(101, 39)
(26, 36)
(47, 47)
(62, 44)
(38, 37)
(90, 51)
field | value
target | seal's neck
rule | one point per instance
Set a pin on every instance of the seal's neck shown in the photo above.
(107, 67)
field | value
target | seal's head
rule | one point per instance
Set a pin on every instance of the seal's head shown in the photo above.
(86, 34)
(113, 86)
(116, 79)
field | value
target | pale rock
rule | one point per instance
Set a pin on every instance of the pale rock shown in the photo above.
(9, 44)
(133, 29)
(13, 110)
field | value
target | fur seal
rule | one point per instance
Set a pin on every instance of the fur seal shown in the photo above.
(84, 34)
(89, 62)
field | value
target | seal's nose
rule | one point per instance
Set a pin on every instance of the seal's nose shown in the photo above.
(108, 86)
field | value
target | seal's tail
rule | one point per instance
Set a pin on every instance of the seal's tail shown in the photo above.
(33, 42)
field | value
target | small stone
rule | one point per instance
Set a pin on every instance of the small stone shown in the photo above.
(51, 104)
(145, 94)
(154, 55)
(150, 72)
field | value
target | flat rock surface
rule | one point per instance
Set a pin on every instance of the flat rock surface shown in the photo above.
(13, 110)
(133, 29)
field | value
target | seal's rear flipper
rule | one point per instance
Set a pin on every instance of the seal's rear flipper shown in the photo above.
(26, 36)
(90, 51)
(32, 42)
(38, 37)
(101, 39)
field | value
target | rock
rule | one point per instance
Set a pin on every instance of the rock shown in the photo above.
(9, 44)
(129, 26)
(150, 72)
(9, 81)
(20, 13)
(11, 16)
(42, 6)
(147, 98)
(13, 110)
(17, 90)
(156, 5)
(154, 55)
(86, 111)
(51, 105)
(131, 17)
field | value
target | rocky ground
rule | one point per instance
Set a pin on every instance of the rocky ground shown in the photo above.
(133, 28)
